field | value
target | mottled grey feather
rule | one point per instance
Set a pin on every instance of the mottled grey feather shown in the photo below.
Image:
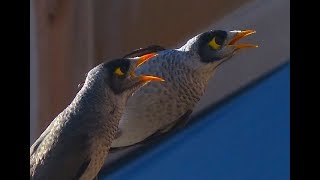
(158, 108)
(147, 104)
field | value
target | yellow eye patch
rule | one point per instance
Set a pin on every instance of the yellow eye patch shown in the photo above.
(118, 72)
(214, 44)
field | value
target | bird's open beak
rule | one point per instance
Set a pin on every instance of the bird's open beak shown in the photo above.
(240, 35)
(142, 60)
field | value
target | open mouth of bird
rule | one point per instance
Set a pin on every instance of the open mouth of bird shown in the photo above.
(140, 61)
(240, 35)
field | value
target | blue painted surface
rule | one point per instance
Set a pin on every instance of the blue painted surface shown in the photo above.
(247, 138)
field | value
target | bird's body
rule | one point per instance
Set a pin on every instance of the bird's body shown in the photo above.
(76, 143)
(187, 71)
(163, 103)
(69, 126)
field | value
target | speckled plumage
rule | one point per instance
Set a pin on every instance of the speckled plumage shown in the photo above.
(76, 143)
(157, 107)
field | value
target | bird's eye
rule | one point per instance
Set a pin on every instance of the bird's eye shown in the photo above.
(214, 44)
(118, 72)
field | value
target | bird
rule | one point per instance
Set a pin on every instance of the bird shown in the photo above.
(187, 70)
(76, 143)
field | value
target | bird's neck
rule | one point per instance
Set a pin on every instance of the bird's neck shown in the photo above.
(91, 95)
(95, 99)
(206, 72)
(94, 111)
(198, 79)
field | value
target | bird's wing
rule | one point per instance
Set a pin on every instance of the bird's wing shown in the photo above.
(143, 51)
(36, 144)
(181, 122)
(178, 124)
(65, 160)
(83, 167)
(72, 159)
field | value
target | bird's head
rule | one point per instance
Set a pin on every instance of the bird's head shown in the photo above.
(217, 45)
(209, 49)
(119, 75)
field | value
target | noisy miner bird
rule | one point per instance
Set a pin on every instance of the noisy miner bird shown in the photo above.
(76, 143)
(162, 107)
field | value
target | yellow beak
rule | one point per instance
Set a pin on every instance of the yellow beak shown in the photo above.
(142, 60)
(241, 35)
